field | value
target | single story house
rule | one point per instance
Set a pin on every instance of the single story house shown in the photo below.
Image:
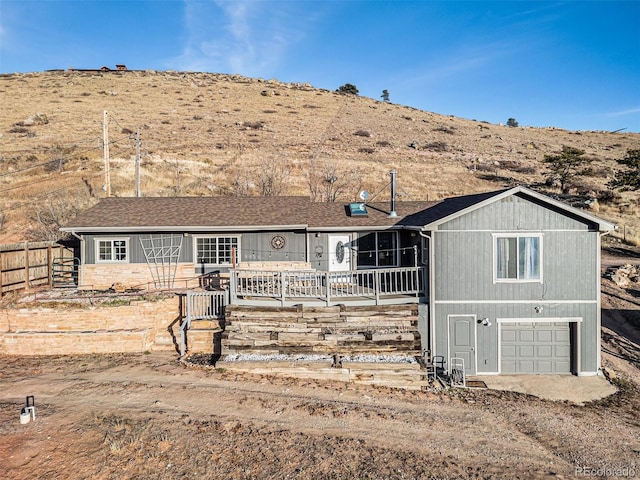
(507, 281)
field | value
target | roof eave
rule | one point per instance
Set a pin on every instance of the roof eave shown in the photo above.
(603, 225)
(186, 228)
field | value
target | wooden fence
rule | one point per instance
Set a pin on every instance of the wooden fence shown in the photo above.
(30, 264)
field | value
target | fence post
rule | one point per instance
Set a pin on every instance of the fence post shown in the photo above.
(26, 266)
(50, 265)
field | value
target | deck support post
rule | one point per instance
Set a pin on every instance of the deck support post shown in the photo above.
(283, 288)
(328, 288)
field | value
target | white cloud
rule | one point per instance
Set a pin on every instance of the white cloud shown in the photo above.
(623, 113)
(244, 36)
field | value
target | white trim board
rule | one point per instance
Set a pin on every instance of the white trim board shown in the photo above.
(539, 320)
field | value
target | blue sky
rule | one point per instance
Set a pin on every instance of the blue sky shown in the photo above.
(571, 64)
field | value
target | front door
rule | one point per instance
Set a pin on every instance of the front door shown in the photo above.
(462, 341)
(339, 256)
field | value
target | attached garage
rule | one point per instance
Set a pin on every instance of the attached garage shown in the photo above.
(535, 347)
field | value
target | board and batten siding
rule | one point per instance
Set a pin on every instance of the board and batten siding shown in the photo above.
(487, 336)
(515, 213)
(464, 280)
(136, 254)
(254, 246)
(464, 267)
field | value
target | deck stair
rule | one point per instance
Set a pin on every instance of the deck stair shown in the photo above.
(376, 345)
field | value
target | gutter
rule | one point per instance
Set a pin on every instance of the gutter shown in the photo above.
(181, 228)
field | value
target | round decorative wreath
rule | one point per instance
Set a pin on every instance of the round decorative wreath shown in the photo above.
(278, 242)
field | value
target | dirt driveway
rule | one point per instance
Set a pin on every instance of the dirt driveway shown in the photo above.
(148, 416)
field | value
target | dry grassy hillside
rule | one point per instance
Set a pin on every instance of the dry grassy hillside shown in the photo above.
(216, 134)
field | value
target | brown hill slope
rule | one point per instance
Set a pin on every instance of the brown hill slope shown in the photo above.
(217, 134)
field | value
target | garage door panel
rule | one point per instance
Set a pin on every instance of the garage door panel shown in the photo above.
(525, 366)
(535, 348)
(544, 336)
(525, 351)
(509, 335)
(545, 351)
(544, 366)
(509, 351)
(509, 366)
(526, 335)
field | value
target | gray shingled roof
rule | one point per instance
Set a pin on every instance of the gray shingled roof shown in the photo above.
(158, 212)
(174, 213)
(260, 213)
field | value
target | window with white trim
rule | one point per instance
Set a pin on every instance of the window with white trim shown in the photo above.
(518, 258)
(112, 250)
(216, 250)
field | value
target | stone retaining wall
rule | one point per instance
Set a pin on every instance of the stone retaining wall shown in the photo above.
(138, 327)
(389, 329)
(102, 276)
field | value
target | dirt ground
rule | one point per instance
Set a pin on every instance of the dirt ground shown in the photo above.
(148, 416)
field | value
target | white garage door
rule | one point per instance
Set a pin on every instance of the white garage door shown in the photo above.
(535, 348)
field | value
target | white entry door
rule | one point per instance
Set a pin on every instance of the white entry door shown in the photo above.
(339, 253)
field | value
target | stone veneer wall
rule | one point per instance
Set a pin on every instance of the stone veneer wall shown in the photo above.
(102, 276)
(138, 327)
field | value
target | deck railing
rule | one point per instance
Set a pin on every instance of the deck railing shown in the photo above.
(208, 305)
(329, 287)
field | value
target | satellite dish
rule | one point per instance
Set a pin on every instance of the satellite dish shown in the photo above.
(364, 195)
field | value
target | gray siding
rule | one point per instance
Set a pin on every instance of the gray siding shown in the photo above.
(254, 246)
(464, 268)
(464, 276)
(136, 254)
(487, 352)
(514, 213)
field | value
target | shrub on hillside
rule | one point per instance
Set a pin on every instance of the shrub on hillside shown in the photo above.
(443, 129)
(436, 147)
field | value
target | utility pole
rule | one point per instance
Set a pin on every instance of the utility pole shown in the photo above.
(105, 143)
(138, 193)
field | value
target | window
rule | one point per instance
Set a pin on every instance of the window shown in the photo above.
(518, 258)
(112, 250)
(217, 250)
(378, 249)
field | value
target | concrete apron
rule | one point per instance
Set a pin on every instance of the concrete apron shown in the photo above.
(578, 390)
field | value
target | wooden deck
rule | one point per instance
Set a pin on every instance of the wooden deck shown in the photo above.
(309, 287)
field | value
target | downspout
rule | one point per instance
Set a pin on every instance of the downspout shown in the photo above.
(431, 282)
(82, 257)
